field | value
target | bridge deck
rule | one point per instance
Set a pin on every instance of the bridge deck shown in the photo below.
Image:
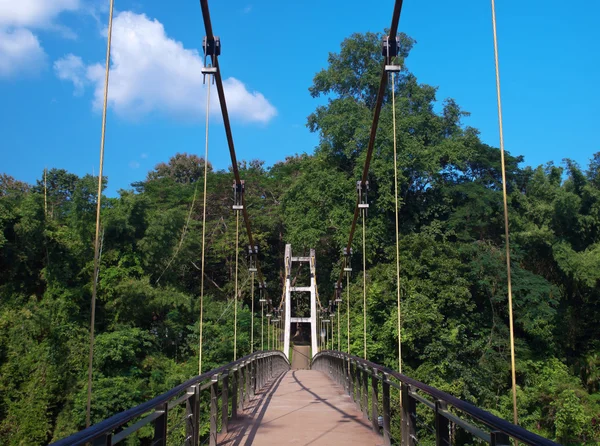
(301, 407)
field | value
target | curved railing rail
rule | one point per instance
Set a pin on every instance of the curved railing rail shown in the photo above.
(449, 412)
(247, 374)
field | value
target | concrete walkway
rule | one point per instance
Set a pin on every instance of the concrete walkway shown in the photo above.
(301, 357)
(301, 407)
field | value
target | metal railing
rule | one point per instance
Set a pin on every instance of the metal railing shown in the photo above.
(233, 384)
(449, 412)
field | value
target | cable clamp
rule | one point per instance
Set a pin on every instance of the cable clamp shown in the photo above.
(212, 48)
(347, 260)
(362, 190)
(238, 195)
(389, 50)
(253, 259)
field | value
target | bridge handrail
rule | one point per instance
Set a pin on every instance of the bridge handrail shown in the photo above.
(118, 420)
(492, 421)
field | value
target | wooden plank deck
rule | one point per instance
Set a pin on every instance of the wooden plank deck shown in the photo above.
(301, 407)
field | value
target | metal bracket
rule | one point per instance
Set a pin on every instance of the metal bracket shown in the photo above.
(253, 259)
(211, 48)
(362, 190)
(389, 49)
(262, 288)
(338, 293)
(347, 263)
(238, 196)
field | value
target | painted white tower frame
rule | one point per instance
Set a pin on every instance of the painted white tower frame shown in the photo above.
(312, 289)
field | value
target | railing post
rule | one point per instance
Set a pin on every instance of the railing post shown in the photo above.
(351, 379)
(499, 439)
(241, 387)
(225, 404)
(385, 386)
(160, 426)
(374, 402)
(234, 394)
(365, 392)
(213, 410)
(357, 385)
(442, 425)
(104, 440)
(409, 412)
(247, 383)
(192, 413)
(253, 378)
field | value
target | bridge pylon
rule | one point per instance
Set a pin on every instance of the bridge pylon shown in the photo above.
(289, 289)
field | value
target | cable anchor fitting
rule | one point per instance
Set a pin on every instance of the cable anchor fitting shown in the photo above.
(362, 190)
(262, 290)
(253, 259)
(211, 48)
(338, 293)
(389, 50)
(347, 261)
(238, 195)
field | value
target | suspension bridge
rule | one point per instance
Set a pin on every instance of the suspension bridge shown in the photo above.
(302, 389)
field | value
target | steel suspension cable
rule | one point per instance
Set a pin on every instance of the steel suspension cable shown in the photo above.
(506, 229)
(227, 124)
(397, 223)
(374, 126)
(98, 208)
(200, 327)
(235, 295)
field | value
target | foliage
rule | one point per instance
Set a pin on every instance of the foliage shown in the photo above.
(453, 266)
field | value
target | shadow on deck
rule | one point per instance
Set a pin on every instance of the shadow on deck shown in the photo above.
(301, 407)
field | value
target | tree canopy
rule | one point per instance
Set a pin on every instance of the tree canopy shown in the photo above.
(453, 273)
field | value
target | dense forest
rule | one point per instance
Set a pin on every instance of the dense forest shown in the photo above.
(453, 272)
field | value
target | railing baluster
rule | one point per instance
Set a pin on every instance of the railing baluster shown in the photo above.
(225, 404)
(409, 412)
(234, 394)
(357, 386)
(247, 382)
(385, 386)
(240, 380)
(365, 393)
(374, 402)
(214, 388)
(160, 426)
(499, 439)
(192, 409)
(442, 425)
(104, 440)
(253, 378)
(351, 379)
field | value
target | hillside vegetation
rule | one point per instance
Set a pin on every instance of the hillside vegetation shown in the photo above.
(453, 272)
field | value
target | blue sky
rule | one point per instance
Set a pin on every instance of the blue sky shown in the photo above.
(51, 55)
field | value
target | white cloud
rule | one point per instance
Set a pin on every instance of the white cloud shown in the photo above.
(72, 68)
(33, 13)
(151, 72)
(134, 164)
(20, 52)
(247, 9)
